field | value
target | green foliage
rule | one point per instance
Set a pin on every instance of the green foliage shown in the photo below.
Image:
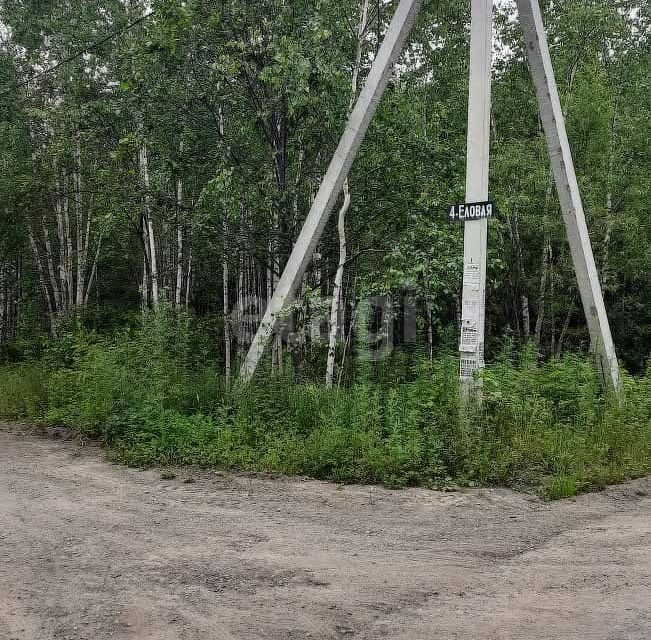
(141, 372)
(242, 103)
(23, 391)
(150, 397)
(549, 425)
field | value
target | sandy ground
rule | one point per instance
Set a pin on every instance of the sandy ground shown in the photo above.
(94, 551)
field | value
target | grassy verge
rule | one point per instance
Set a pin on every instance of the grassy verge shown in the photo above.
(544, 427)
(23, 390)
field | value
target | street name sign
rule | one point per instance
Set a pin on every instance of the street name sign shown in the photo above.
(471, 211)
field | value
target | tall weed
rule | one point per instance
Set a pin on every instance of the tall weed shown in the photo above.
(153, 396)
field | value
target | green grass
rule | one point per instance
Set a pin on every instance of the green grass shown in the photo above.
(23, 390)
(149, 396)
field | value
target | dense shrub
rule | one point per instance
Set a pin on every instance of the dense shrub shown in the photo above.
(152, 396)
(23, 390)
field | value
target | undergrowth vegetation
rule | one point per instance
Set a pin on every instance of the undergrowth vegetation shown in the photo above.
(151, 395)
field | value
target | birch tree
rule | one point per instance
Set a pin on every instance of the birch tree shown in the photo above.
(335, 309)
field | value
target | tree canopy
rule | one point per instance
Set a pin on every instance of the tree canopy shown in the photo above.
(174, 162)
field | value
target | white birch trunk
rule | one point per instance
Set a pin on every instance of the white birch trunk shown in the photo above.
(179, 241)
(145, 264)
(336, 290)
(79, 224)
(227, 321)
(149, 224)
(605, 262)
(4, 294)
(49, 260)
(188, 279)
(241, 334)
(41, 272)
(545, 265)
(93, 271)
(546, 260)
(63, 274)
(70, 280)
(84, 259)
(144, 287)
(341, 222)
(271, 261)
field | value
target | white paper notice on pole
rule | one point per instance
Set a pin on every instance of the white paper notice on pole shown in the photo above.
(471, 277)
(468, 365)
(470, 308)
(469, 336)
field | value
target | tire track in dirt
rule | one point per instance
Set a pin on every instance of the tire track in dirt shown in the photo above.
(92, 551)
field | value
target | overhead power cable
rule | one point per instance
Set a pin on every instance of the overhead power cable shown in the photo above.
(80, 53)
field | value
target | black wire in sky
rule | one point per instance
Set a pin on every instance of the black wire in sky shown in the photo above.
(74, 56)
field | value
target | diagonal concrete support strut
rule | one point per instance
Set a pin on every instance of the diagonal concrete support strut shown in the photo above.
(333, 181)
(568, 190)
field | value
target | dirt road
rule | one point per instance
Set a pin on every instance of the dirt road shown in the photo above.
(93, 551)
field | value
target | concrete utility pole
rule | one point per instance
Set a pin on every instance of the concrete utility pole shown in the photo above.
(330, 189)
(568, 191)
(473, 304)
(471, 346)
